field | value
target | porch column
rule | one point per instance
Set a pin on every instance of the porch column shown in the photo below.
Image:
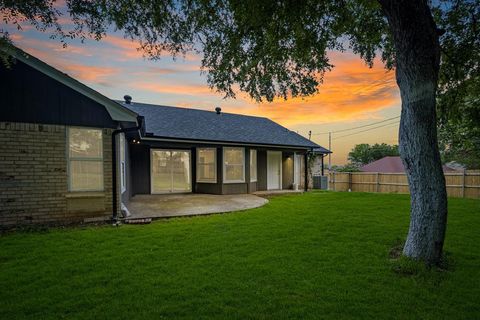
(305, 159)
(323, 156)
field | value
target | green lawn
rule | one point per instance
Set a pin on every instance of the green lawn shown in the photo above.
(317, 255)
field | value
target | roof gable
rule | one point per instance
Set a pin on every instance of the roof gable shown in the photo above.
(116, 111)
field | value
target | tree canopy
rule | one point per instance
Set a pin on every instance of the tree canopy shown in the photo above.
(364, 153)
(266, 48)
(459, 84)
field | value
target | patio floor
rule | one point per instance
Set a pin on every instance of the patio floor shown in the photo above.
(175, 205)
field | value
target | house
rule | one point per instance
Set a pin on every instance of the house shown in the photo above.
(390, 164)
(70, 154)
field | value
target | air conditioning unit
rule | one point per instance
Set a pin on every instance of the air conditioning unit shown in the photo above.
(324, 182)
(320, 182)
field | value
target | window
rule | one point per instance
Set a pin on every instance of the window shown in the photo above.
(85, 159)
(253, 165)
(123, 178)
(207, 165)
(234, 165)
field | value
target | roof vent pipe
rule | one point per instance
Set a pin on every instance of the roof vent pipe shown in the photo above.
(128, 99)
(218, 110)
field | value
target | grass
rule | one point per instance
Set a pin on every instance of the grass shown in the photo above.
(316, 255)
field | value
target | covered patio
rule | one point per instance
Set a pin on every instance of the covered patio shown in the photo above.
(175, 205)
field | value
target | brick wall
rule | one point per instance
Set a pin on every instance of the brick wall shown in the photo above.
(33, 178)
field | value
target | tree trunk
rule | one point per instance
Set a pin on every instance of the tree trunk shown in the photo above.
(417, 48)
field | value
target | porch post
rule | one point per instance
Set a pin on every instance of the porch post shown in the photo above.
(193, 168)
(323, 156)
(306, 171)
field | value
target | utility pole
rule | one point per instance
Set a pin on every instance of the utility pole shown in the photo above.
(330, 154)
(310, 135)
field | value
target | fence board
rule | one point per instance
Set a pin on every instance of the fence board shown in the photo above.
(460, 185)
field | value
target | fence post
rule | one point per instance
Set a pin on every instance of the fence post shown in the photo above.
(378, 183)
(463, 183)
(350, 181)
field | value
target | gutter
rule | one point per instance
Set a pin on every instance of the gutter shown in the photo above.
(185, 140)
(114, 163)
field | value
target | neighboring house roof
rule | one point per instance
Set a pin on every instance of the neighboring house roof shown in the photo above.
(199, 125)
(390, 165)
(116, 111)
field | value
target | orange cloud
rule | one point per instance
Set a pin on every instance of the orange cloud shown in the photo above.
(352, 91)
(130, 49)
(190, 90)
(32, 44)
(175, 69)
(90, 73)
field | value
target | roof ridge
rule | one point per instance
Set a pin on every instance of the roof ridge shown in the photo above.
(189, 108)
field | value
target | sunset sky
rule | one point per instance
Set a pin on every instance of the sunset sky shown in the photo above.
(352, 94)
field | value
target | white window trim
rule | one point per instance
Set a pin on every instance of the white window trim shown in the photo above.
(123, 168)
(214, 165)
(225, 167)
(256, 171)
(96, 159)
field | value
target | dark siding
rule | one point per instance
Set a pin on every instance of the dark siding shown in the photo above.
(287, 170)
(213, 188)
(234, 188)
(32, 97)
(140, 169)
(252, 187)
(261, 170)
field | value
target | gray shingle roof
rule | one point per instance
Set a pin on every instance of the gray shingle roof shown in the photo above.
(193, 124)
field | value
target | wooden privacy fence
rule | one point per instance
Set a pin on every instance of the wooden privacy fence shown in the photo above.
(460, 185)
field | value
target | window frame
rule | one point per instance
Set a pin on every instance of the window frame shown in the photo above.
(86, 159)
(198, 179)
(225, 166)
(252, 151)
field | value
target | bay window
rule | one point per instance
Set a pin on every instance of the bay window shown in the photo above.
(85, 159)
(233, 165)
(253, 165)
(207, 165)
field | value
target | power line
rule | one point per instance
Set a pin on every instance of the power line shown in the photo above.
(359, 127)
(369, 129)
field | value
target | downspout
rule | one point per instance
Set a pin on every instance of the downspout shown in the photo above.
(114, 163)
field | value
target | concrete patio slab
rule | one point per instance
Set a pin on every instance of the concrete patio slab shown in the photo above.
(175, 205)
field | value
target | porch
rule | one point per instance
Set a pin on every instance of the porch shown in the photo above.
(160, 168)
(175, 205)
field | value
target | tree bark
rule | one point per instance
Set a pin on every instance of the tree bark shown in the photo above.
(417, 48)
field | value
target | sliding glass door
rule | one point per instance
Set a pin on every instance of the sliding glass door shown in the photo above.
(170, 171)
